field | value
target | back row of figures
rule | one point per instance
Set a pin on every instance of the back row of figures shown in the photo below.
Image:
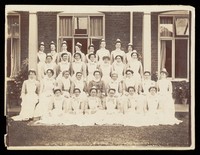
(103, 60)
(78, 96)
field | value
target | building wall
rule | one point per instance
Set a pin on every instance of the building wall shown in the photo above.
(154, 42)
(24, 34)
(137, 31)
(47, 28)
(117, 25)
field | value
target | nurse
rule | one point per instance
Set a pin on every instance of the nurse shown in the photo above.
(118, 51)
(102, 52)
(53, 52)
(64, 50)
(29, 96)
(78, 47)
(41, 60)
(90, 51)
(63, 65)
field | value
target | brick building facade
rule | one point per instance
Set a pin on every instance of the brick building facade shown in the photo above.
(129, 26)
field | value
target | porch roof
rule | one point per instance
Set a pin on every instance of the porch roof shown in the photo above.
(96, 8)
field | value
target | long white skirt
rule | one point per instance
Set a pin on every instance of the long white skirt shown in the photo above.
(28, 104)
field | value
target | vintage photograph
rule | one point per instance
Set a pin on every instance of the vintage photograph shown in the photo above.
(99, 77)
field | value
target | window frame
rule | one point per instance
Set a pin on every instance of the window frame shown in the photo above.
(173, 38)
(73, 37)
(9, 78)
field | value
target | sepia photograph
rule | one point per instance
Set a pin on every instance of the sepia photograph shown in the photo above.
(99, 77)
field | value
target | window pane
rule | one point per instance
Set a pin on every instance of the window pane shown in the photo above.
(65, 26)
(96, 26)
(181, 58)
(8, 57)
(166, 26)
(13, 25)
(81, 25)
(166, 55)
(182, 26)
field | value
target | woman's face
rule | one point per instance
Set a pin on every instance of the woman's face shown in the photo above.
(57, 93)
(130, 48)
(76, 93)
(66, 75)
(118, 59)
(131, 91)
(77, 57)
(53, 47)
(114, 77)
(111, 93)
(103, 44)
(163, 75)
(93, 93)
(134, 56)
(129, 74)
(42, 48)
(64, 47)
(118, 45)
(91, 50)
(77, 48)
(97, 75)
(79, 76)
(31, 75)
(65, 57)
(49, 74)
(48, 59)
(92, 58)
(153, 91)
(106, 60)
(147, 76)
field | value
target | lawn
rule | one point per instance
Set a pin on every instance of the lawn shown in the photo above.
(21, 134)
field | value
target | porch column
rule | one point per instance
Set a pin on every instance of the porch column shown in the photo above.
(33, 41)
(146, 44)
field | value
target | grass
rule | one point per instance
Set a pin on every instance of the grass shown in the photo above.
(20, 134)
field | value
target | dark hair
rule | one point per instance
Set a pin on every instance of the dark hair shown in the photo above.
(131, 87)
(93, 89)
(129, 71)
(55, 90)
(96, 72)
(31, 71)
(63, 54)
(91, 55)
(147, 72)
(65, 71)
(79, 73)
(111, 89)
(106, 57)
(134, 53)
(152, 87)
(51, 71)
(77, 89)
(49, 56)
(76, 54)
(90, 46)
(119, 56)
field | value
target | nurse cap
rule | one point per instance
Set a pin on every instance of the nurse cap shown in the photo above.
(118, 41)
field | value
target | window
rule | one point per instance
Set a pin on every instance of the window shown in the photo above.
(85, 29)
(81, 25)
(13, 45)
(174, 42)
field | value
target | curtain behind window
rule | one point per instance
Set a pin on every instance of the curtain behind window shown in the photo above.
(65, 26)
(162, 54)
(96, 26)
(15, 57)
